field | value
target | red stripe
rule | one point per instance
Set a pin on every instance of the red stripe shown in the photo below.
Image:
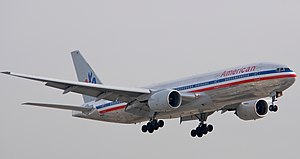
(245, 81)
(112, 109)
(216, 87)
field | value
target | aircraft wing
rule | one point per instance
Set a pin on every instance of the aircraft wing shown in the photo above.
(95, 90)
(59, 106)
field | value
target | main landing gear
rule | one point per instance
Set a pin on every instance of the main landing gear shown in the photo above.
(273, 107)
(202, 128)
(152, 125)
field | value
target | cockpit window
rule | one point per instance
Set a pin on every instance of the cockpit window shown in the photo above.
(282, 69)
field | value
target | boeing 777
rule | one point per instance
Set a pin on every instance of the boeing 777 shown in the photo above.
(245, 89)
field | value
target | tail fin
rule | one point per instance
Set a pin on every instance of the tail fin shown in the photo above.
(84, 72)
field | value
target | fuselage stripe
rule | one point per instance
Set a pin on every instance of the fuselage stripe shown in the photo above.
(243, 82)
(112, 109)
(227, 79)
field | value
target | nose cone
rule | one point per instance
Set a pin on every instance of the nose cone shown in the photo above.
(293, 73)
(292, 78)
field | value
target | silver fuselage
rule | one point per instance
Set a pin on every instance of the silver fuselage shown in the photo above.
(221, 88)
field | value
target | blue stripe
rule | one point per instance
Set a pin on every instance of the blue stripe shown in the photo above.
(108, 104)
(182, 88)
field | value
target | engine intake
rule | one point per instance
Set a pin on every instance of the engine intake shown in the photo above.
(252, 110)
(165, 100)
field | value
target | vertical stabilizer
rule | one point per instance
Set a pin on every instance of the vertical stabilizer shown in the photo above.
(84, 72)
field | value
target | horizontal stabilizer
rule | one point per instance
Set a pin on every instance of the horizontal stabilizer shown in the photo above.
(59, 106)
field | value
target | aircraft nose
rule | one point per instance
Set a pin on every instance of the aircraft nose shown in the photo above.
(295, 74)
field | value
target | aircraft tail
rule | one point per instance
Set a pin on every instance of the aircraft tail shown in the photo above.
(84, 73)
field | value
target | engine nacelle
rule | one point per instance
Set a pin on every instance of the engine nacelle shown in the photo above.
(252, 110)
(165, 100)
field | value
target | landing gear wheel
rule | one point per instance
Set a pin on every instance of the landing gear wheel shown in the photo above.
(198, 129)
(271, 107)
(151, 130)
(205, 131)
(199, 133)
(275, 108)
(210, 128)
(144, 128)
(202, 128)
(154, 122)
(152, 125)
(149, 126)
(193, 133)
(161, 123)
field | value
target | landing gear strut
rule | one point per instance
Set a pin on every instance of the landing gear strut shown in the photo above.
(152, 125)
(202, 128)
(273, 107)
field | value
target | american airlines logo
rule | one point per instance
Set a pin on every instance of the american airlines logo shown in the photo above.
(238, 71)
(91, 78)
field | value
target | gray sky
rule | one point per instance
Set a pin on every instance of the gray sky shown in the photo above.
(136, 43)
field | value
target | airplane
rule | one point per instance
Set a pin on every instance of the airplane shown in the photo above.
(250, 91)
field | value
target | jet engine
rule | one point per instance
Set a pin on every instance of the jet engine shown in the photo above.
(252, 110)
(165, 100)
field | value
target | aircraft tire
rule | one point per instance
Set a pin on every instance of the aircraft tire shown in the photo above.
(193, 133)
(205, 131)
(154, 122)
(144, 128)
(275, 108)
(161, 123)
(271, 108)
(210, 128)
(199, 133)
(149, 126)
(151, 130)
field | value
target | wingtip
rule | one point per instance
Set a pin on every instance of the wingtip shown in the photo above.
(6, 72)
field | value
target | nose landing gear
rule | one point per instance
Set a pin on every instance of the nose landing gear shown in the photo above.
(273, 107)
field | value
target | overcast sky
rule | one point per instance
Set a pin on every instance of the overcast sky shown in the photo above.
(136, 43)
